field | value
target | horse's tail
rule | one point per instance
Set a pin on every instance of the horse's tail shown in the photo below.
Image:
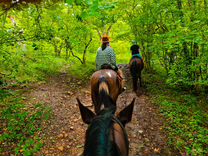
(104, 96)
(134, 73)
(103, 85)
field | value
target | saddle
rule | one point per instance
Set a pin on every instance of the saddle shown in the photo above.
(119, 74)
(108, 66)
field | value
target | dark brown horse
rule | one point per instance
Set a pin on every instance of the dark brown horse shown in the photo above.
(136, 65)
(106, 135)
(105, 81)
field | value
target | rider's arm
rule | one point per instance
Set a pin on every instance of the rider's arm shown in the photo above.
(113, 59)
(98, 61)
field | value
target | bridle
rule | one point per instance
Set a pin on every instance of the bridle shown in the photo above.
(116, 121)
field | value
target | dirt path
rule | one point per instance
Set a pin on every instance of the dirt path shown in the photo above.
(64, 132)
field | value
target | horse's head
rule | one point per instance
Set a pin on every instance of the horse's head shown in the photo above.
(106, 134)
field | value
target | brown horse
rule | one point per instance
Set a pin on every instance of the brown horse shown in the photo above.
(136, 65)
(105, 81)
(106, 134)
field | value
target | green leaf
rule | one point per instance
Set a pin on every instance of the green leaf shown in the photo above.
(69, 2)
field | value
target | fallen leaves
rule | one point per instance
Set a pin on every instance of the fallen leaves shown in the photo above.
(70, 93)
(80, 146)
(63, 135)
(61, 148)
(157, 150)
(67, 130)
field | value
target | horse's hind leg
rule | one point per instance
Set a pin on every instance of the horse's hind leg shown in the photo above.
(94, 97)
(135, 85)
(140, 81)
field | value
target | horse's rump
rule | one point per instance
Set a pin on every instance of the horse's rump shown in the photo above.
(105, 79)
(136, 65)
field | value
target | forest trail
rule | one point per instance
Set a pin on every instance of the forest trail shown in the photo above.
(64, 133)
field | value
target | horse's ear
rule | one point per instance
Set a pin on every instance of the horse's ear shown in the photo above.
(126, 114)
(87, 114)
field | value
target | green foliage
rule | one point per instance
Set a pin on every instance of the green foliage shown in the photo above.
(21, 126)
(83, 71)
(175, 34)
(186, 116)
(26, 65)
(51, 37)
(122, 51)
(188, 128)
(44, 37)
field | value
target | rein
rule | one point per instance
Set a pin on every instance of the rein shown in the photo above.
(115, 120)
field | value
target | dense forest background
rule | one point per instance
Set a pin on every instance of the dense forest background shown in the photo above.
(42, 38)
(172, 36)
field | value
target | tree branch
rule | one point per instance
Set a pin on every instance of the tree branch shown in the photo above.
(109, 29)
(99, 34)
(76, 56)
(85, 50)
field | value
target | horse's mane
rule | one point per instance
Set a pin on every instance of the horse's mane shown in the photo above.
(97, 141)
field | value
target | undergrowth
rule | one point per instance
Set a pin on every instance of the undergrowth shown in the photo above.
(185, 113)
(20, 124)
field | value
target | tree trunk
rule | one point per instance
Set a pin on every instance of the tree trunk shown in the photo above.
(197, 72)
(85, 50)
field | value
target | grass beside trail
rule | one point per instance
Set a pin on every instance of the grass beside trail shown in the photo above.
(186, 115)
(20, 124)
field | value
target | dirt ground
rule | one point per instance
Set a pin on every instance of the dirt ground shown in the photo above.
(64, 133)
